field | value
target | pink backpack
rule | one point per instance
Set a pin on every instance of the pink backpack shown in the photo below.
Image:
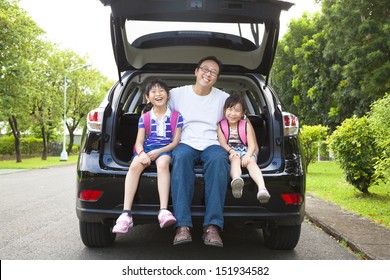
(241, 130)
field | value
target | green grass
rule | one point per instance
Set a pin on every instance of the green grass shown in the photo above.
(33, 163)
(326, 180)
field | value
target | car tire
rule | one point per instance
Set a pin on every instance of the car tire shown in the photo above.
(96, 234)
(282, 237)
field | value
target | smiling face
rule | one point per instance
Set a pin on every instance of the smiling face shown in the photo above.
(234, 114)
(158, 96)
(207, 73)
(234, 109)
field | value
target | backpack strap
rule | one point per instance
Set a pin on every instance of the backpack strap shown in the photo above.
(242, 131)
(174, 119)
(225, 128)
(147, 122)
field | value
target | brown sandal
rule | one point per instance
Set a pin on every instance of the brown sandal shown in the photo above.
(183, 235)
(211, 236)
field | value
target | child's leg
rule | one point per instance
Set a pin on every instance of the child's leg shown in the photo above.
(163, 179)
(131, 182)
(237, 182)
(254, 171)
(165, 217)
(125, 220)
(235, 167)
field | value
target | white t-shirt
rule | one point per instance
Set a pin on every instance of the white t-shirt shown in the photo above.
(201, 115)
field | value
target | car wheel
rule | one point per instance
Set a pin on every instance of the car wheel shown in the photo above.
(282, 237)
(96, 234)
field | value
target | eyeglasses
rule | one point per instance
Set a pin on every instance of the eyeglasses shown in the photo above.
(206, 70)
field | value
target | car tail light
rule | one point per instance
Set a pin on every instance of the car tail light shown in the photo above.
(95, 120)
(290, 124)
(292, 198)
(90, 195)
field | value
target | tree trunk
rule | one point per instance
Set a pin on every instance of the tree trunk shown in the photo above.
(44, 143)
(16, 133)
(71, 141)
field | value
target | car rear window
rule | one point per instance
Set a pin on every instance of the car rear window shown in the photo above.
(250, 32)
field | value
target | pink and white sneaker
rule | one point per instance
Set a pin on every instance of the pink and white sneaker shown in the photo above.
(123, 223)
(166, 218)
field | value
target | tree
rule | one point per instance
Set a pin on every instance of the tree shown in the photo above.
(358, 48)
(85, 91)
(288, 62)
(44, 90)
(18, 44)
(333, 65)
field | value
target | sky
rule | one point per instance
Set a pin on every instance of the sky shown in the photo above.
(83, 26)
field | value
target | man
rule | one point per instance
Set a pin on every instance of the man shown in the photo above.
(201, 106)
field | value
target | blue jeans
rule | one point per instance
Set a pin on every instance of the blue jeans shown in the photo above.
(216, 175)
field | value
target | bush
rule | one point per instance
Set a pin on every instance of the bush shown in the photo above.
(379, 122)
(7, 145)
(28, 146)
(324, 151)
(354, 147)
(310, 137)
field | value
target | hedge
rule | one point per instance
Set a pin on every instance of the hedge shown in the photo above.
(29, 146)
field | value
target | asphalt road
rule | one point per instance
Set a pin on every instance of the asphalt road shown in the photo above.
(38, 222)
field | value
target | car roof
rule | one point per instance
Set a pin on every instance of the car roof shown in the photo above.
(182, 49)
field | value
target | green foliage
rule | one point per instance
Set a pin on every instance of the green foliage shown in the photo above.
(354, 147)
(32, 72)
(18, 48)
(310, 136)
(334, 64)
(28, 146)
(379, 122)
(287, 63)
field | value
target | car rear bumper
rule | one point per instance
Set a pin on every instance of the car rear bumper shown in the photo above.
(237, 216)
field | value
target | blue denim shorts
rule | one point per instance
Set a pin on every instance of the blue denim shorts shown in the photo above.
(154, 147)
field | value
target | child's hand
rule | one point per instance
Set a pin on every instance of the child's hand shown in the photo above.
(233, 154)
(153, 154)
(245, 160)
(144, 159)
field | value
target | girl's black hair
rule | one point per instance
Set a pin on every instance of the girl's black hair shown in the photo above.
(148, 88)
(234, 99)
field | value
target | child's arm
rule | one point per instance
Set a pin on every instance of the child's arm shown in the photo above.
(251, 143)
(139, 147)
(251, 139)
(256, 152)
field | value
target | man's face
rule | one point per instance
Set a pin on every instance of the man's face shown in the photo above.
(207, 73)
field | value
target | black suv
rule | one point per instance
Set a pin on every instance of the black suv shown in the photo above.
(165, 39)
